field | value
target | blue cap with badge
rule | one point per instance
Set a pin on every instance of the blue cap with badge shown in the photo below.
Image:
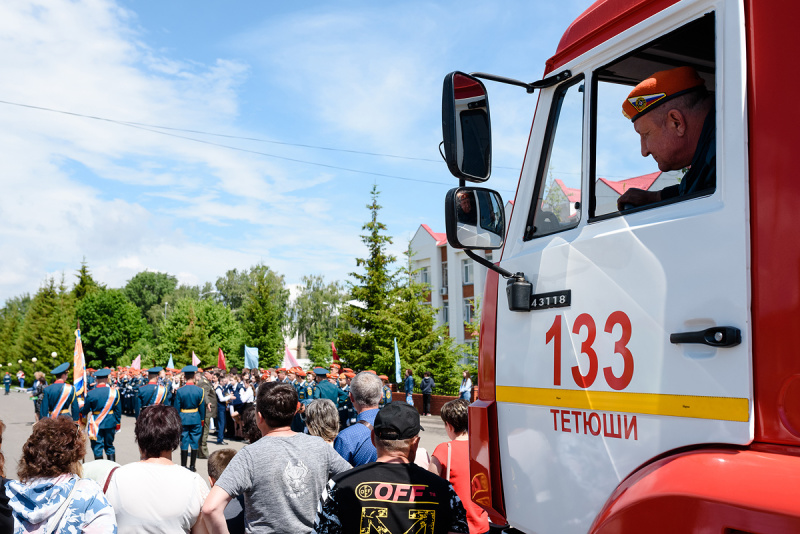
(189, 369)
(102, 373)
(63, 368)
(155, 370)
(320, 371)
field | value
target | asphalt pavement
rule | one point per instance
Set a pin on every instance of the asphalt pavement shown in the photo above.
(16, 411)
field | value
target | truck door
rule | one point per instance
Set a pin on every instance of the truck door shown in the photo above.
(589, 384)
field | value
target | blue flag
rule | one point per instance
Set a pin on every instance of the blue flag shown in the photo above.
(170, 364)
(396, 362)
(250, 357)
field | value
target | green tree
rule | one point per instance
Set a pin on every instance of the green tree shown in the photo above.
(358, 338)
(158, 313)
(85, 284)
(110, 326)
(315, 316)
(471, 350)
(49, 327)
(147, 288)
(421, 344)
(265, 314)
(202, 326)
(12, 318)
(233, 289)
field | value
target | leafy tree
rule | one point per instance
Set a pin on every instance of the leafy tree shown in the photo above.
(110, 325)
(315, 315)
(49, 326)
(201, 326)
(86, 284)
(157, 314)
(233, 289)
(265, 314)
(358, 337)
(147, 288)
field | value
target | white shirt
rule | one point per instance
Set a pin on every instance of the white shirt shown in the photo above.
(153, 498)
(247, 394)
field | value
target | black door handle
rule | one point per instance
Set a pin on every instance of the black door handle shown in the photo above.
(718, 336)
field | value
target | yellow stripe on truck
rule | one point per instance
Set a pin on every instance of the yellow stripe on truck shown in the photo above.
(696, 407)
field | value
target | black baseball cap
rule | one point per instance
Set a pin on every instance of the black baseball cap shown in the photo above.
(397, 420)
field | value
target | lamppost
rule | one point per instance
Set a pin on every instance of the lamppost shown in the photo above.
(34, 360)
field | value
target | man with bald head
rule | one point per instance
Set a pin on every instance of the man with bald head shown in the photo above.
(673, 113)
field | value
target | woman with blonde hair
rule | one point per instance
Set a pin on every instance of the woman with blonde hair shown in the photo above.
(50, 495)
(322, 419)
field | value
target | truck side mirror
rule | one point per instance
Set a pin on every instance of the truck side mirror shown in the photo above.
(466, 128)
(475, 218)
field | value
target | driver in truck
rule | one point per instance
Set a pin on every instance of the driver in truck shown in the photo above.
(678, 135)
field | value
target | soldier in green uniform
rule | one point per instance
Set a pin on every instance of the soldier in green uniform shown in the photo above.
(104, 404)
(152, 392)
(204, 381)
(59, 398)
(190, 402)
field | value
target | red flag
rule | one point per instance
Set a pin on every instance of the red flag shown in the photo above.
(335, 355)
(221, 361)
(196, 360)
(137, 363)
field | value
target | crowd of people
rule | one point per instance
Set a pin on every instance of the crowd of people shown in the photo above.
(315, 440)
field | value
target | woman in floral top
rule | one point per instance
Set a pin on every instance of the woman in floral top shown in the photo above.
(50, 496)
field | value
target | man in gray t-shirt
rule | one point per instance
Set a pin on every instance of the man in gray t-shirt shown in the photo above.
(281, 476)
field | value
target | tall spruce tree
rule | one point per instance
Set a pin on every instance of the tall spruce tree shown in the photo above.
(362, 334)
(12, 319)
(49, 326)
(265, 314)
(85, 284)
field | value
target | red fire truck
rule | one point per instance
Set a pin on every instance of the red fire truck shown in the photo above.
(640, 373)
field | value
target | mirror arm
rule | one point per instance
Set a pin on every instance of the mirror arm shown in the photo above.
(489, 265)
(529, 87)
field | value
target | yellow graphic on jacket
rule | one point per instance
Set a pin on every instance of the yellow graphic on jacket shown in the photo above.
(371, 523)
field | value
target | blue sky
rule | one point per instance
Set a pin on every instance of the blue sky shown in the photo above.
(344, 77)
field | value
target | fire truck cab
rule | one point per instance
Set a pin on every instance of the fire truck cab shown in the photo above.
(639, 372)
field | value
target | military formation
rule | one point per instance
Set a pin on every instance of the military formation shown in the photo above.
(203, 398)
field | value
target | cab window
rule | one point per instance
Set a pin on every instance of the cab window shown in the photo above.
(617, 163)
(558, 184)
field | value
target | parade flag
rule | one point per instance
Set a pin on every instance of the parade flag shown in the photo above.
(396, 362)
(137, 363)
(335, 354)
(288, 359)
(79, 368)
(195, 359)
(221, 360)
(250, 357)
(170, 364)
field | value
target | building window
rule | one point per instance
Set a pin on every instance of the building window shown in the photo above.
(444, 274)
(466, 271)
(424, 276)
(445, 313)
(468, 311)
